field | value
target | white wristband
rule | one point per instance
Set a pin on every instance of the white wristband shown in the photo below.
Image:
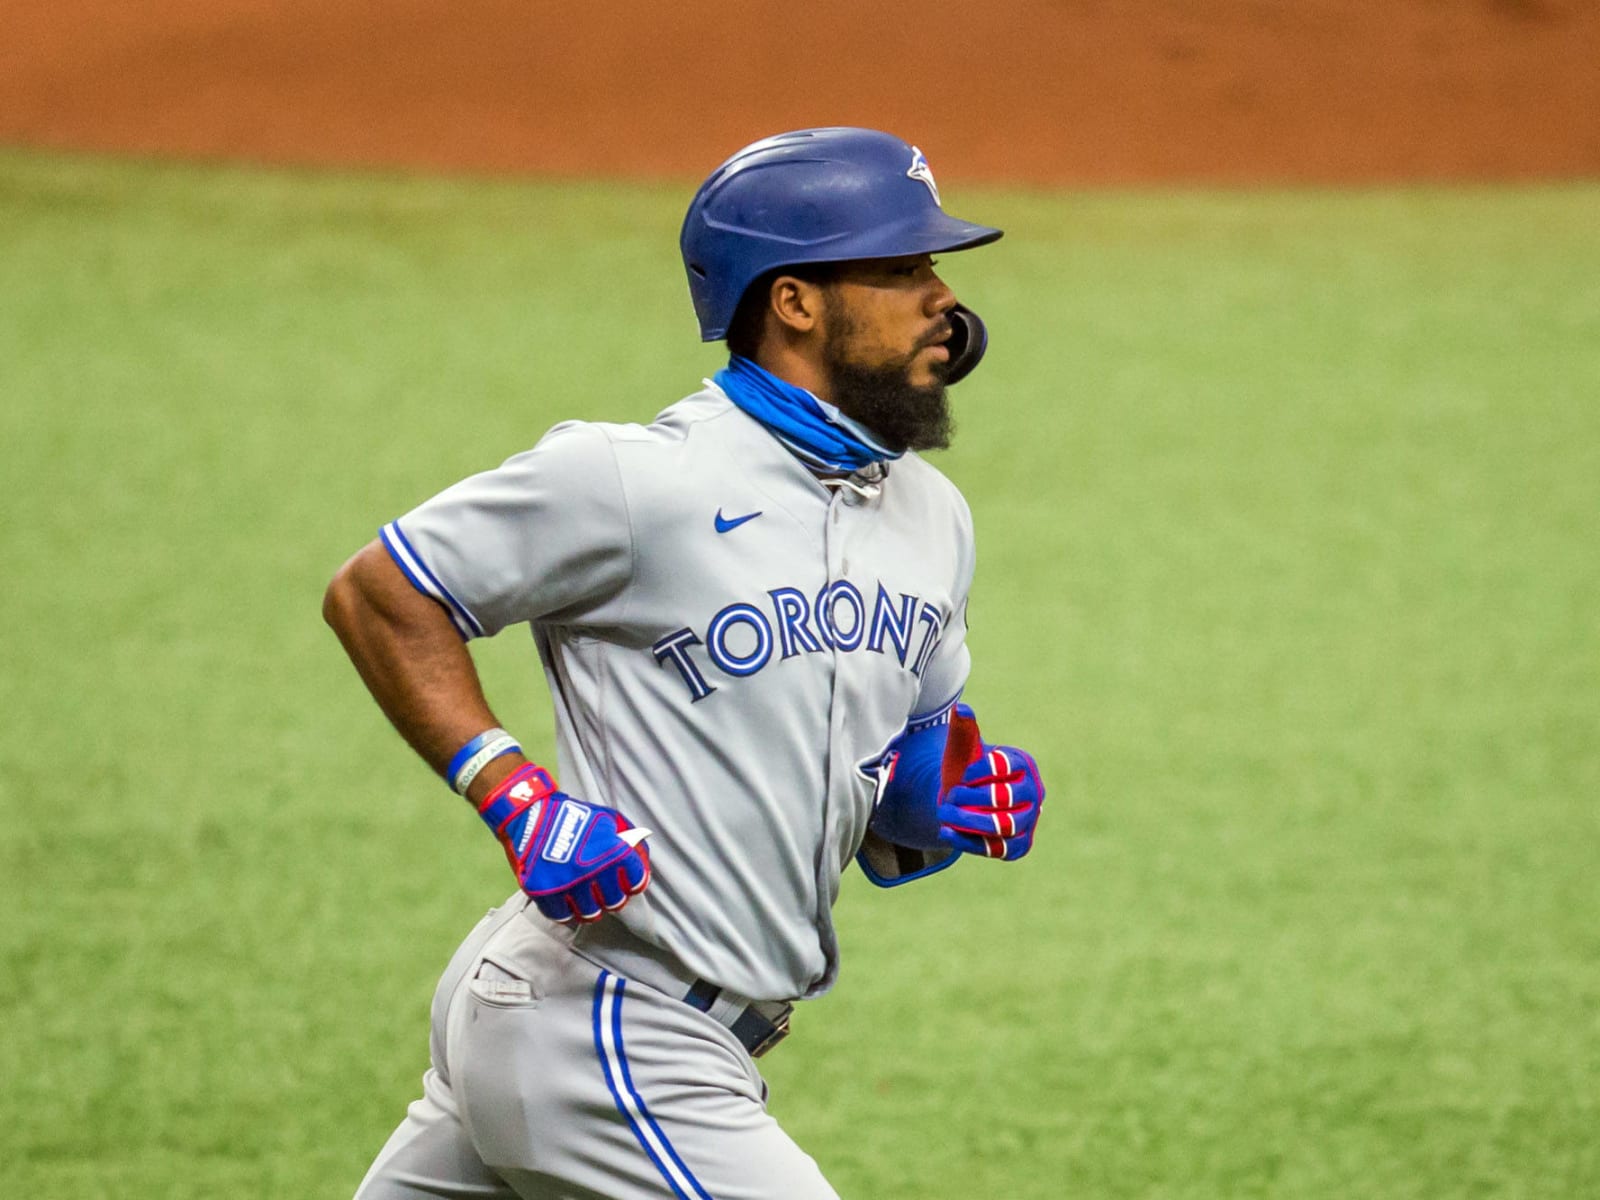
(504, 743)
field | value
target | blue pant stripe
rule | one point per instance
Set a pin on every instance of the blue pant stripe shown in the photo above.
(614, 1062)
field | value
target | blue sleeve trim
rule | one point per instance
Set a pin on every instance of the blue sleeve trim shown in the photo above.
(935, 716)
(883, 882)
(426, 582)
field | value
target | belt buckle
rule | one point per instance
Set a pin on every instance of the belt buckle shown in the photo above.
(779, 1031)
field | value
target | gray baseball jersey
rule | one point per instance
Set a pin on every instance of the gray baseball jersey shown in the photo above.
(729, 643)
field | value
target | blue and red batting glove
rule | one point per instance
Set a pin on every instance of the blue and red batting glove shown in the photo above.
(941, 785)
(989, 796)
(578, 861)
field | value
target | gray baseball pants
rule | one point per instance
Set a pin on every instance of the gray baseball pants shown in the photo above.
(555, 1079)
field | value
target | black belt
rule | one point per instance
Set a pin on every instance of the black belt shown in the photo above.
(759, 1025)
(758, 1031)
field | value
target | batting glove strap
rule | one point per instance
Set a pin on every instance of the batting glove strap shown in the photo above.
(569, 856)
(514, 795)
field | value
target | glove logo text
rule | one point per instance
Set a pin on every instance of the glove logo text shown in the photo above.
(530, 824)
(570, 820)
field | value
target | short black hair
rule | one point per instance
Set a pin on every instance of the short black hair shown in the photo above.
(750, 315)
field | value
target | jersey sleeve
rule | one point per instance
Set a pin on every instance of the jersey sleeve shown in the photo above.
(545, 535)
(950, 661)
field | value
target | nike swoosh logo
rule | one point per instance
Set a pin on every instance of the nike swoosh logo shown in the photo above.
(724, 523)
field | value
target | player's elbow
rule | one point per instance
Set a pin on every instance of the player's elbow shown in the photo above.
(344, 599)
(369, 593)
(336, 600)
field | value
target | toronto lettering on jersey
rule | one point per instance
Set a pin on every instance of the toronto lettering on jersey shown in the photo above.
(743, 638)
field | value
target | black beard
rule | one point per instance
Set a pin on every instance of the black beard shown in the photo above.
(900, 414)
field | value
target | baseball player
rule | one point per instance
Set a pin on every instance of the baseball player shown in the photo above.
(751, 615)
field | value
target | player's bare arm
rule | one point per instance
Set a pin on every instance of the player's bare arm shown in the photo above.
(417, 668)
(413, 662)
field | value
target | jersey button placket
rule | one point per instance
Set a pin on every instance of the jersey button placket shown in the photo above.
(838, 706)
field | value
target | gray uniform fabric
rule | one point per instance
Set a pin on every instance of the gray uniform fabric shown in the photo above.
(724, 689)
(553, 1079)
(730, 645)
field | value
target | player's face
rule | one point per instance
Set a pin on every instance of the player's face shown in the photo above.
(892, 312)
(886, 324)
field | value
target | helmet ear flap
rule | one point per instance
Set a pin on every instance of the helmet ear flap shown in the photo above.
(969, 338)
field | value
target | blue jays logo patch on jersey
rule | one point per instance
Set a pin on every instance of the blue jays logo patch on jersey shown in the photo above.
(879, 769)
(921, 171)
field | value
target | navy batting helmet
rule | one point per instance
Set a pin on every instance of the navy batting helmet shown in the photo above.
(811, 196)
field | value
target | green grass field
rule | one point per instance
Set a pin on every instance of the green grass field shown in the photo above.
(1289, 518)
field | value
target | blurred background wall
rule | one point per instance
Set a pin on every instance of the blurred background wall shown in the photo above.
(1040, 91)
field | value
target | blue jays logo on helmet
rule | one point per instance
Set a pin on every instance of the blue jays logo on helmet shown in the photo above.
(919, 169)
(811, 196)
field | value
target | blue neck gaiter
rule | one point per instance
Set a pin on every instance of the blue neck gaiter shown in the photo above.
(814, 429)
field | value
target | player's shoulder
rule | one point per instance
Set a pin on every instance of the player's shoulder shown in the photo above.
(673, 427)
(660, 465)
(921, 483)
(913, 467)
(695, 437)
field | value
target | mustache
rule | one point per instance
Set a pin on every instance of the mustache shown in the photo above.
(942, 332)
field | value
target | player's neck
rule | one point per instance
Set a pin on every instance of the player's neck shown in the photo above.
(795, 368)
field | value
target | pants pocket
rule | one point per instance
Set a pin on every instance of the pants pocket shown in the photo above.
(496, 984)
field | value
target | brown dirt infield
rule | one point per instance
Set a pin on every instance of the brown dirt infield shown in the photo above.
(1039, 91)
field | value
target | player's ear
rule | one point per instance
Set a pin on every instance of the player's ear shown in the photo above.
(796, 303)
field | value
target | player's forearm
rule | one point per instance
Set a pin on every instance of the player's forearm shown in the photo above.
(411, 659)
